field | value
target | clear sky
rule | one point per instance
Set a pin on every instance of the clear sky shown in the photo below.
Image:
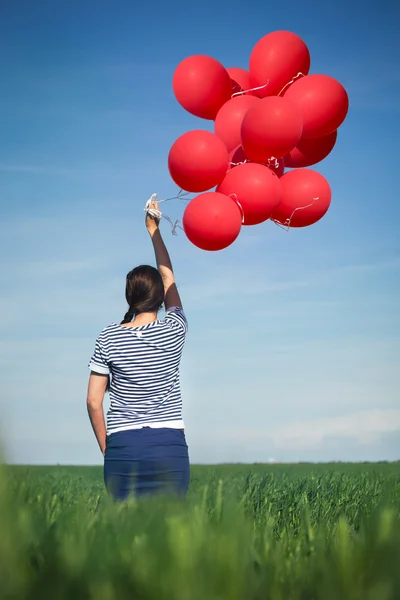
(293, 350)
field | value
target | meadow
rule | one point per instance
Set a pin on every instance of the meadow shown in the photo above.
(245, 532)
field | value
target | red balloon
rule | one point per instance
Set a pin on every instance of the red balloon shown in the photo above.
(323, 102)
(306, 197)
(198, 161)
(212, 221)
(255, 188)
(201, 85)
(271, 128)
(241, 81)
(310, 151)
(228, 121)
(277, 58)
(237, 157)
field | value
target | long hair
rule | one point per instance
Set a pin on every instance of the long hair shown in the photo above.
(144, 291)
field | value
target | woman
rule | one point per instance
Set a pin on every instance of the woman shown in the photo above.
(144, 444)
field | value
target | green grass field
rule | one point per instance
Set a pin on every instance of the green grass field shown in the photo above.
(273, 532)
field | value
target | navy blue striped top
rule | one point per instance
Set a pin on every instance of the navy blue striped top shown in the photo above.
(144, 366)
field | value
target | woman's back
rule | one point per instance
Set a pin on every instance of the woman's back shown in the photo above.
(144, 366)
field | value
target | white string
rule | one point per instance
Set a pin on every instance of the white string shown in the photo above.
(174, 224)
(240, 162)
(271, 162)
(235, 199)
(255, 89)
(157, 214)
(261, 87)
(286, 224)
(180, 196)
(299, 74)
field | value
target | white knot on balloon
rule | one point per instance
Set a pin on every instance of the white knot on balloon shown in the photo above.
(273, 162)
(239, 162)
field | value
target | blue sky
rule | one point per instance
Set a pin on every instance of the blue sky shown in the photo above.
(293, 351)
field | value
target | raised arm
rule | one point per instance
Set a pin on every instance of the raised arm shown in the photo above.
(163, 260)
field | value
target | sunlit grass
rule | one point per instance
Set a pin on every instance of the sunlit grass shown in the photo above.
(295, 532)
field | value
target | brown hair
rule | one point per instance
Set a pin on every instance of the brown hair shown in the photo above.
(144, 291)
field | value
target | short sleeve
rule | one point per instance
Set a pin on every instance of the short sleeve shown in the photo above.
(176, 319)
(99, 363)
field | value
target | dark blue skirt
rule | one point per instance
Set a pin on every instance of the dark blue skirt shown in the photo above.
(146, 461)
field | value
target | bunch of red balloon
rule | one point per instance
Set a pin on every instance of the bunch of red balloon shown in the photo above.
(271, 117)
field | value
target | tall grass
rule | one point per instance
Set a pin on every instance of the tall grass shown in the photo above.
(245, 533)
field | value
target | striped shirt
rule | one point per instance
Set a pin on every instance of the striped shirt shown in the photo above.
(144, 366)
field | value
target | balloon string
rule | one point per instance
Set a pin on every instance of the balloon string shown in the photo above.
(235, 199)
(260, 87)
(271, 162)
(157, 214)
(286, 224)
(179, 196)
(239, 162)
(174, 224)
(299, 74)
